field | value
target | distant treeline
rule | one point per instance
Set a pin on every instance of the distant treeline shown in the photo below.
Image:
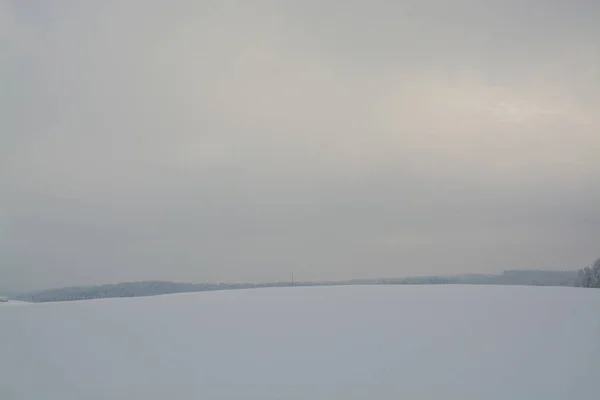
(513, 277)
(132, 289)
(153, 288)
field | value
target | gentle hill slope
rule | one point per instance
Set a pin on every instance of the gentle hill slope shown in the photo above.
(153, 288)
(346, 342)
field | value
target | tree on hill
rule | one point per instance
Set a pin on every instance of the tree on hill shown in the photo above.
(589, 276)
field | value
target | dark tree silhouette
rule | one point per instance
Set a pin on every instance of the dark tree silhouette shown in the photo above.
(589, 276)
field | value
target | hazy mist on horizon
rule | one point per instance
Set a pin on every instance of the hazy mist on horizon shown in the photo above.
(240, 141)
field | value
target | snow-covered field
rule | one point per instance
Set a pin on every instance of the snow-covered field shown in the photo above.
(13, 303)
(361, 342)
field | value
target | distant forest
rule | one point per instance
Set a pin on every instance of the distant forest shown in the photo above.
(153, 288)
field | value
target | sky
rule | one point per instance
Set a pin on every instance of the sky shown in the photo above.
(242, 141)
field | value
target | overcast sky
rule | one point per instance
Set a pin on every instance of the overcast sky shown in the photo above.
(243, 140)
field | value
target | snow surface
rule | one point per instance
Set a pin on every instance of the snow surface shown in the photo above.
(347, 342)
(13, 303)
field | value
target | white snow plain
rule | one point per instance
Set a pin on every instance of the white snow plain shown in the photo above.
(346, 342)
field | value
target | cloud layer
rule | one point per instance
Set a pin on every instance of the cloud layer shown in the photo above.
(232, 141)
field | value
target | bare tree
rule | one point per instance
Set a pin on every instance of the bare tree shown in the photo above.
(589, 276)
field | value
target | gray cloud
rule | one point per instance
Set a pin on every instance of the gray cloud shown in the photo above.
(234, 141)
